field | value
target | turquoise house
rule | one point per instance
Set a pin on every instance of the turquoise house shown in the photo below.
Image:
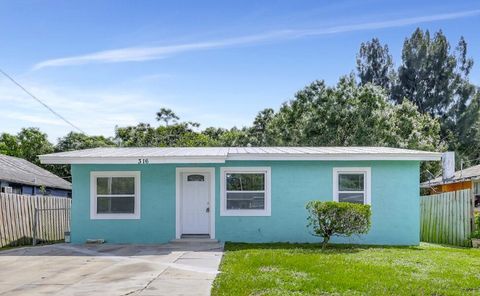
(240, 194)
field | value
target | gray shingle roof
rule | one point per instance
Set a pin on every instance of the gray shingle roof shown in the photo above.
(220, 154)
(472, 172)
(17, 170)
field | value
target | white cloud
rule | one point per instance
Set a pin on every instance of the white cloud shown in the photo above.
(95, 112)
(35, 119)
(135, 54)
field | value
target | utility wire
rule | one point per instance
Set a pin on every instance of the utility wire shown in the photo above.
(41, 102)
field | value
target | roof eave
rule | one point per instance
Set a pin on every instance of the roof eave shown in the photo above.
(52, 159)
(55, 159)
(428, 184)
(341, 157)
(30, 183)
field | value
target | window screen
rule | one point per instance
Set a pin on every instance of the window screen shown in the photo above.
(115, 195)
(245, 191)
(351, 187)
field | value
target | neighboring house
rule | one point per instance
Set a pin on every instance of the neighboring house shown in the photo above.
(20, 176)
(468, 178)
(154, 195)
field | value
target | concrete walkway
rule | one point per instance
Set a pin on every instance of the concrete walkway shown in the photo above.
(63, 269)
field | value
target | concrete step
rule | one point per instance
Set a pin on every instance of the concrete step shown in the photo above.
(190, 240)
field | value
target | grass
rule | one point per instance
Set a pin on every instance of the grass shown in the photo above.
(304, 269)
(9, 247)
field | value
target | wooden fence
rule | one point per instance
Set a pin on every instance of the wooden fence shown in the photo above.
(447, 218)
(23, 217)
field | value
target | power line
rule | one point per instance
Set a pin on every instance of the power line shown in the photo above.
(41, 102)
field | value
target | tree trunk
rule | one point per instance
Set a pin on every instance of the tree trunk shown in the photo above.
(325, 242)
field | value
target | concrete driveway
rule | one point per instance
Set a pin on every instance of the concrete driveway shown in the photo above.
(63, 269)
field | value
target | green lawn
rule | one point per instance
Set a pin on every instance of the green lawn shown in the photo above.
(303, 269)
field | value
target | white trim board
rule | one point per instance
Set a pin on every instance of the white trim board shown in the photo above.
(268, 192)
(368, 181)
(146, 157)
(160, 160)
(93, 195)
(333, 157)
(128, 160)
(178, 195)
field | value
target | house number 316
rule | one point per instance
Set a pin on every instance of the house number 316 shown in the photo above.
(143, 161)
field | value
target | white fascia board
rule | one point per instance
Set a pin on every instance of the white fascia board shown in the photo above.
(343, 157)
(52, 159)
(127, 160)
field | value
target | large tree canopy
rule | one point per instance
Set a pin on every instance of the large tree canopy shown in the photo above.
(175, 135)
(435, 78)
(431, 73)
(27, 144)
(351, 115)
(77, 141)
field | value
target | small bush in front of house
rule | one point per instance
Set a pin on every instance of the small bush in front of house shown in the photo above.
(328, 218)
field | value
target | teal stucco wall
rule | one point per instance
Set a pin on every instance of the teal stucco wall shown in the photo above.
(395, 203)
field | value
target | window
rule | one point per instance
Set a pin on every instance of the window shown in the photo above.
(245, 192)
(115, 195)
(195, 178)
(351, 185)
(476, 187)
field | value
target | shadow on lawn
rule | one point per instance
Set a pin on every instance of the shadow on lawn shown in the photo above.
(314, 247)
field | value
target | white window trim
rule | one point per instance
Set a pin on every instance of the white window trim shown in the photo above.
(268, 198)
(93, 195)
(476, 185)
(354, 170)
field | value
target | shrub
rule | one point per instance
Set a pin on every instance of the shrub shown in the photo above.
(329, 218)
(476, 232)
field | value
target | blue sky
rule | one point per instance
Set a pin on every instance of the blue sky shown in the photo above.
(107, 63)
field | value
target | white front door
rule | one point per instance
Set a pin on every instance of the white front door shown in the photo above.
(195, 203)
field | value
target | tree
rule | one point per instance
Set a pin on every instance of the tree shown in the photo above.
(410, 129)
(27, 144)
(178, 134)
(430, 73)
(258, 131)
(329, 218)
(374, 64)
(233, 137)
(78, 141)
(214, 133)
(435, 78)
(236, 137)
(351, 115)
(9, 145)
(166, 115)
(468, 133)
(33, 142)
(141, 135)
(465, 62)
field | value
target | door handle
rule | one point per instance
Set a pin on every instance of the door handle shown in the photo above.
(207, 210)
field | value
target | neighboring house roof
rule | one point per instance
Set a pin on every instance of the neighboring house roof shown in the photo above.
(472, 172)
(17, 170)
(222, 154)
